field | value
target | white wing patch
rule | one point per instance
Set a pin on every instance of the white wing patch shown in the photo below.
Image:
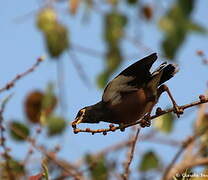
(115, 87)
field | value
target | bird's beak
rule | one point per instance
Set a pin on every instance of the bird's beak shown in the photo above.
(75, 122)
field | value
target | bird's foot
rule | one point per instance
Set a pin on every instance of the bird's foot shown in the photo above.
(145, 122)
(177, 110)
(121, 127)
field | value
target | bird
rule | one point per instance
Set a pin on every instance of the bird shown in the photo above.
(131, 95)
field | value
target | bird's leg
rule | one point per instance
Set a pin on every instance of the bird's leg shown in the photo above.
(145, 121)
(164, 88)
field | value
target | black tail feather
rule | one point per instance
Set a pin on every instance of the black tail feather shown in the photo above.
(168, 72)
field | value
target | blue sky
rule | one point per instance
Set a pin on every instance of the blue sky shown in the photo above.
(21, 43)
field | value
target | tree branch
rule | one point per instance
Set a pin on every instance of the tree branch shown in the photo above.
(186, 143)
(6, 155)
(125, 175)
(73, 172)
(11, 84)
(202, 99)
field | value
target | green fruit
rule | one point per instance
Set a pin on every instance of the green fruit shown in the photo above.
(57, 40)
(46, 19)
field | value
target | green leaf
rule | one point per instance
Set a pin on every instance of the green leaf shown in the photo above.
(19, 131)
(98, 167)
(114, 24)
(176, 24)
(165, 123)
(56, 125)
(172, 43)
(149, 161)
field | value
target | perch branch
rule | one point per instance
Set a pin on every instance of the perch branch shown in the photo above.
(202, 99)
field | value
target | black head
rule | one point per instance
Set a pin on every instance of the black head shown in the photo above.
(89, 114)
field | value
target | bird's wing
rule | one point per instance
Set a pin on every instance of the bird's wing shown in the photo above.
(129, 80)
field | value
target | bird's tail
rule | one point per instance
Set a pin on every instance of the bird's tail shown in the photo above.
(163, 73)
(168, 72)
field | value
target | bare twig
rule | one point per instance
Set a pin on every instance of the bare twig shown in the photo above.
(150, 137)
(175, 158)
(78, 66)
(19, 76)
(30, 150)
(187, 146)
(87, 51)
(61, 87)
(2, 141)
(125, 175)
(114, 128)
(181, 167)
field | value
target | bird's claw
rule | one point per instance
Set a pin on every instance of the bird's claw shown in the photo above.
(177, 110)
(145, 122)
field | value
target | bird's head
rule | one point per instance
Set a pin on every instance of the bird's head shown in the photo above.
(89, 114)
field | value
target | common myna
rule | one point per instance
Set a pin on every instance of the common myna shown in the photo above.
(131, 95)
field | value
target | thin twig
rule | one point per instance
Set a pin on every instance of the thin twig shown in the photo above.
(87, 50)
(150, 137)
(125, 175)
(177, 155)
(113, 128)
(83, 76)
(30, 150)
(6, 155)
(19, 76)
(180, 168)
(61, 87)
